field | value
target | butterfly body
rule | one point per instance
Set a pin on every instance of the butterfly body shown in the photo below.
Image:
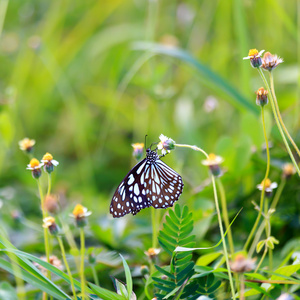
(149, 183)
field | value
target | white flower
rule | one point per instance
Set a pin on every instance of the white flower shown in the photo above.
(166, 144)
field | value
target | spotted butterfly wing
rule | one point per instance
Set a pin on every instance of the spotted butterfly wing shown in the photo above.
(150, 183)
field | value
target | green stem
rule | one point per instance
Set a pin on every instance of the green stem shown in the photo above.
(155, 220)
(278, 193)
(82, 250)
(96, 280)
(262, 259)
(49, 184)
(225, 214)
(46, 235)
(63, 253)
(262, 196)
(223, 238)
(279, 115)
(219, 218)
(242, 291)
(277, 120)
(263, 224)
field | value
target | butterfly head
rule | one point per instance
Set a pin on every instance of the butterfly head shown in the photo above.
(151, 155)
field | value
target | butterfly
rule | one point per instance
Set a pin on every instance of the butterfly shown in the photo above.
(150, 182)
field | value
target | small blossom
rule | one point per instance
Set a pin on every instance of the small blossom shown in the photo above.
(152, 252)
(35, 167)
(285, 296)
(288, 170)
(80, 213)
(255, 57)
(242, 264)
(166, 144)
(27, 145)
(49, 162)
(138, 150)
(51, 203)
(53, 260)
(269, 186)
(261, 97)
(49, 222)
(270, 61)
(213, 161)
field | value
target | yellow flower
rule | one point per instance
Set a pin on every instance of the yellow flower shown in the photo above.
(49, 162)
(35, 167)
(213, 161)
(269, 186)
(254, 57)
(288, 170)
(49, 222)
(80, 213)
(152, 252)
(26, 145)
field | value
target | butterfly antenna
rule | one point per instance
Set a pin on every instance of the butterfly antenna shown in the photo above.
(146, 141)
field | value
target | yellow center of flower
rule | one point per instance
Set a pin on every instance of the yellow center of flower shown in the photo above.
(34, 163)
(138, 146)
(47, 156)
(288, 169)
(49, 220)
(253, 52)
(78, 210)
(211, 157)
(267, 183)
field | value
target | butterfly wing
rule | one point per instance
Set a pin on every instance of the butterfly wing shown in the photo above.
(130, 196)
(166, 185)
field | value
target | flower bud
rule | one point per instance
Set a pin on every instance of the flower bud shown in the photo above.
(261, 97)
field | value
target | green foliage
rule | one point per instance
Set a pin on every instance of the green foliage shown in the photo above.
(177, 282)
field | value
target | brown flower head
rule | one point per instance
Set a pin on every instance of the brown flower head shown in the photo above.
(51, 203)
(261, 97)
(242, 264)
(270, 61)
(288, 170)
(54, 261)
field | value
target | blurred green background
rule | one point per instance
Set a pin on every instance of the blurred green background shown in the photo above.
(85, 79)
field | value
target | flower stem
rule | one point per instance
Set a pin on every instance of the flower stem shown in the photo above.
(278, 193)
(219, 218)
(277, 121)
(63, 253)
(46, 235)
(225, 214)
(223, 238)
(82, 250)
(96, 280)
(49, 184)
(262, 259)
(279, 115)
(264, 183)
(155, 221)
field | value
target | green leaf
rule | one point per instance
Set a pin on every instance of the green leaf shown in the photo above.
(128, 277)
(213, 80)
(206, 259)
(7, 292)
(285, 271)
(105, 294)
